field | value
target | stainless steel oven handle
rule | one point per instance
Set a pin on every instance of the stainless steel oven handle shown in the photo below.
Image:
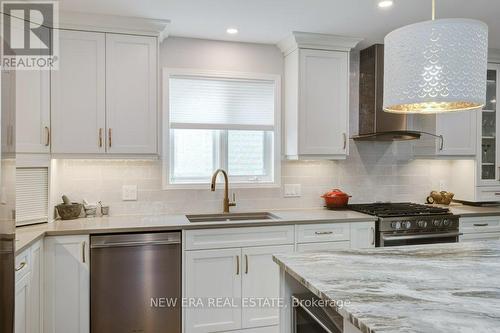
(316, 319)
(447, 234)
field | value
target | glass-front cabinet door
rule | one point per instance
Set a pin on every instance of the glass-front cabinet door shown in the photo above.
(490, 125)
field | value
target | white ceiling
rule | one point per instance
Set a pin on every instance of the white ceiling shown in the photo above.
(268, 21)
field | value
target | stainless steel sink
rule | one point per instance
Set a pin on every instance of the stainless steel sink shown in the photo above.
(261, 216)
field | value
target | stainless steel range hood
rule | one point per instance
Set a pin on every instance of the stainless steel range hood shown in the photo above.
(374, 123)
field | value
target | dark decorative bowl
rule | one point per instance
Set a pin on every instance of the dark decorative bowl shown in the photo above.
(69, 212)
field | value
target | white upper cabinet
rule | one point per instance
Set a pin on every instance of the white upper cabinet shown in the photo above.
(104, 94)
(457, 129)
(317, 96)
(33, 111)
(131, 94)
(78, 94)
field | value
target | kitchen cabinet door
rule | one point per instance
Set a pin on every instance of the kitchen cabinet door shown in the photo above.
(36, 292)
(22, 305)
(459, 131)
(362, 235)
(213, 274)
(33, 110)
(260, 280)
(323, 103)
(67, 287)
(8, 116)
(78, 94)
(489, 156)
(131, 94)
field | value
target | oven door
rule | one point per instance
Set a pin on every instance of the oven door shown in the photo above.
(390, 239)
(308, 318)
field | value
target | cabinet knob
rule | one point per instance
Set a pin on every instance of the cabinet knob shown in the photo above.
(100, 137)
(110, 137)
(344, 135)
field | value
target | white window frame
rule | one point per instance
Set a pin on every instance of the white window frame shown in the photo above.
(167, 136)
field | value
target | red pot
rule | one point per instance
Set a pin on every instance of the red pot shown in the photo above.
(336, 199)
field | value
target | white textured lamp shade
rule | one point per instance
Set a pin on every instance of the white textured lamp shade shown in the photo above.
(436, 66)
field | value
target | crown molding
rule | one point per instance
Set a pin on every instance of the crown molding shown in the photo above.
(494, 55)
(114, 24)
(307, 40)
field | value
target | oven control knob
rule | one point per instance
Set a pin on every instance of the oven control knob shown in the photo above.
(407, 224)
(422, 224)
(437, 223)
(396, 225)
(446, 222)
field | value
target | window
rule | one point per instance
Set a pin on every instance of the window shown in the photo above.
(227, 121)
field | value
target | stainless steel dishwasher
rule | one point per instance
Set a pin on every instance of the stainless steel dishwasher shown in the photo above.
(132, 279)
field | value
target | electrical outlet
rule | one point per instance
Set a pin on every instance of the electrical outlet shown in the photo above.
(292, 190)
(129, 192)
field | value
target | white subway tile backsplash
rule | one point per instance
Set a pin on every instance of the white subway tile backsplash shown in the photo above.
(373, 172)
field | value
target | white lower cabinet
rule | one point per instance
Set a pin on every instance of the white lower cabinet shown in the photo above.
(67, 284)
(210, 275)
(235, 265)
(260, 281)
(479, 228)
(362, 235)
(28, 292)
(22, 316)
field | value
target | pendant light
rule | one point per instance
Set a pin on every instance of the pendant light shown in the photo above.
(436, 66)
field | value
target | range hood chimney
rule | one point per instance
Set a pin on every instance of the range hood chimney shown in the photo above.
(374, 123)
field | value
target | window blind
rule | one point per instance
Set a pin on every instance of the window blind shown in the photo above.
(218, 103)
(32, 195)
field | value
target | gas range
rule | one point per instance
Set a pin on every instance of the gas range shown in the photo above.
(411, 224)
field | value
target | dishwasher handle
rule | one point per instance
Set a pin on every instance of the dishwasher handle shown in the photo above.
(129, 240)
(128, 244)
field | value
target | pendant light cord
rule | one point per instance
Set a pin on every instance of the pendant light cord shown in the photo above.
(433, 10)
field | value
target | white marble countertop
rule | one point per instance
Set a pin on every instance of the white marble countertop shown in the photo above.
(25, 236)
(417, 289)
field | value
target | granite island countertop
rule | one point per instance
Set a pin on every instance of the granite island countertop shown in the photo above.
(27, 235)
(417, 289)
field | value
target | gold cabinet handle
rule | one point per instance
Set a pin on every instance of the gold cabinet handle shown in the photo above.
(47, 136)
(237, 265)
(246, 264)
(110, 134)
(21, 266)
(100, 137)
(83, 252)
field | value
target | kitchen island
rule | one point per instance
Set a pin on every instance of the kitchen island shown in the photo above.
(427, 288)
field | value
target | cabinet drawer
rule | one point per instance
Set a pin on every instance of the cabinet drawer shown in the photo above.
(328, 246)
(480, 237)
(488, 194)
(238, 237)
(480, 224)
(323, 232)
(23, 264)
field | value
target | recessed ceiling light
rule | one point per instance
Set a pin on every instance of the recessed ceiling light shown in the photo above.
(232, 31)
(385, 3)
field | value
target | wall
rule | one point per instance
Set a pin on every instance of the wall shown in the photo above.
(373, 171)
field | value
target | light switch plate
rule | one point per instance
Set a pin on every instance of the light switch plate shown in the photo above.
(292, 190)
(129, 192)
